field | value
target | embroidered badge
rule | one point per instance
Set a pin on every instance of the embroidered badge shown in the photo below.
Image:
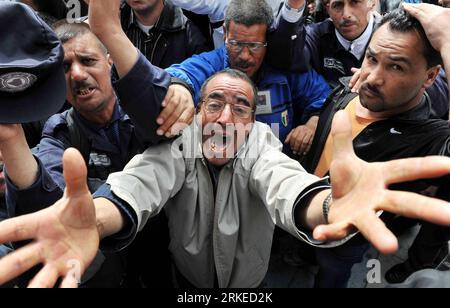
(285, 118)
(334, 65)
(16, 82)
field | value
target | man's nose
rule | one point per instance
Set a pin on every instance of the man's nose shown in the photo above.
(245, 54)
(78, 73)
(375, 76)
(226, 116)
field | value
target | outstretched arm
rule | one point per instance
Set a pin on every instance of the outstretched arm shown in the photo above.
(360, 191)
(66, 236)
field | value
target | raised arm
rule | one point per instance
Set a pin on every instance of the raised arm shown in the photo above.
(434, 20)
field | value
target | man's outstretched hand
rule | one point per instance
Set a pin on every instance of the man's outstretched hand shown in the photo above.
(64, 236)
(360, 192)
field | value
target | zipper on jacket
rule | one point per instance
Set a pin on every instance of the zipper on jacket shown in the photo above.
(212, 224)
(154, 47)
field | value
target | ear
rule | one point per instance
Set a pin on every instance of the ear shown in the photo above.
(110, 60)
(224, 32)
(432, 74)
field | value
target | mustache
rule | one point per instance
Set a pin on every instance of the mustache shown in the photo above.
(244, 65)
(346, 23)
(373, 89)
(82, 85)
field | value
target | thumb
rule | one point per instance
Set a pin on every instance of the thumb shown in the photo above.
(75, 173)
(342, 135)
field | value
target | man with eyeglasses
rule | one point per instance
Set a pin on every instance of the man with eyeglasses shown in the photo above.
(286, 102)
(224, 185)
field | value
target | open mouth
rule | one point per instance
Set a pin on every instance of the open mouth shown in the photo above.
(220, 143)
(85, 92)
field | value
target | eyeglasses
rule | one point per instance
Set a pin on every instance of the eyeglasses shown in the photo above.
(215, 107)
(254, 47)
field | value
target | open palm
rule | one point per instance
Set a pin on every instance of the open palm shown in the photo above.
(65, 236)
(360, 192)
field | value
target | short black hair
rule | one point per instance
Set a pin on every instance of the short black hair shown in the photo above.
(233, 74)
(67, 31)
(400, 21)
(249, 13)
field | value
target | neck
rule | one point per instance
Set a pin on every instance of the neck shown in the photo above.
(103, 116)
(150, 16)
(365, 113)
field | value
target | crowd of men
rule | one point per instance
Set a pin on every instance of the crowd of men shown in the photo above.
(171, 143)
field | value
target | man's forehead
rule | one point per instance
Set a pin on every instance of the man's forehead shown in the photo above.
(85, 44)
(408, 44)
(229, 86)
(344, 1)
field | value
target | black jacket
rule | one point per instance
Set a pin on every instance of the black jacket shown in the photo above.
(412, 134)
(173, 39)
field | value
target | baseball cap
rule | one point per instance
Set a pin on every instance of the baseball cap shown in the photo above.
(32, 80)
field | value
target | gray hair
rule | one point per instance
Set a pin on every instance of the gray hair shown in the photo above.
(233, 74)
(68, 31)
(249, 13)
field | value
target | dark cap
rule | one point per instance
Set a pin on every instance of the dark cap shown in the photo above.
(32, 81)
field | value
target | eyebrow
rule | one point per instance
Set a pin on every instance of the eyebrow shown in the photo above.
(240, 99)
(216, 95)
(243, 101)
(371, 52)
(399, 59)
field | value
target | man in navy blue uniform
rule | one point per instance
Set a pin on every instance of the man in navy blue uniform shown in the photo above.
(97, 125)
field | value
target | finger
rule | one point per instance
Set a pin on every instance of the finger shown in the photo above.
(288, 138)
(18, 229)
(296, 140)
(414, 10)
(355, 76)
(331, 232)
(410, 169)
(45, 279)
(172, 119)
(308, 148)
(18, 262)
(305, 143)
(168, 98)
(356, 87)
(75, 173)
(184, 121)
(342, 136)
(69, 282)
(375, 231)
(415, 206)
(171, 102)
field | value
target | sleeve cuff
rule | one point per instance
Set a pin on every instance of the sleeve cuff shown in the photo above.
(306, 235)
(125, 237)
(23, 201)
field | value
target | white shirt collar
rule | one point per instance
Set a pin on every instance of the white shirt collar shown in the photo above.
(358, 46)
